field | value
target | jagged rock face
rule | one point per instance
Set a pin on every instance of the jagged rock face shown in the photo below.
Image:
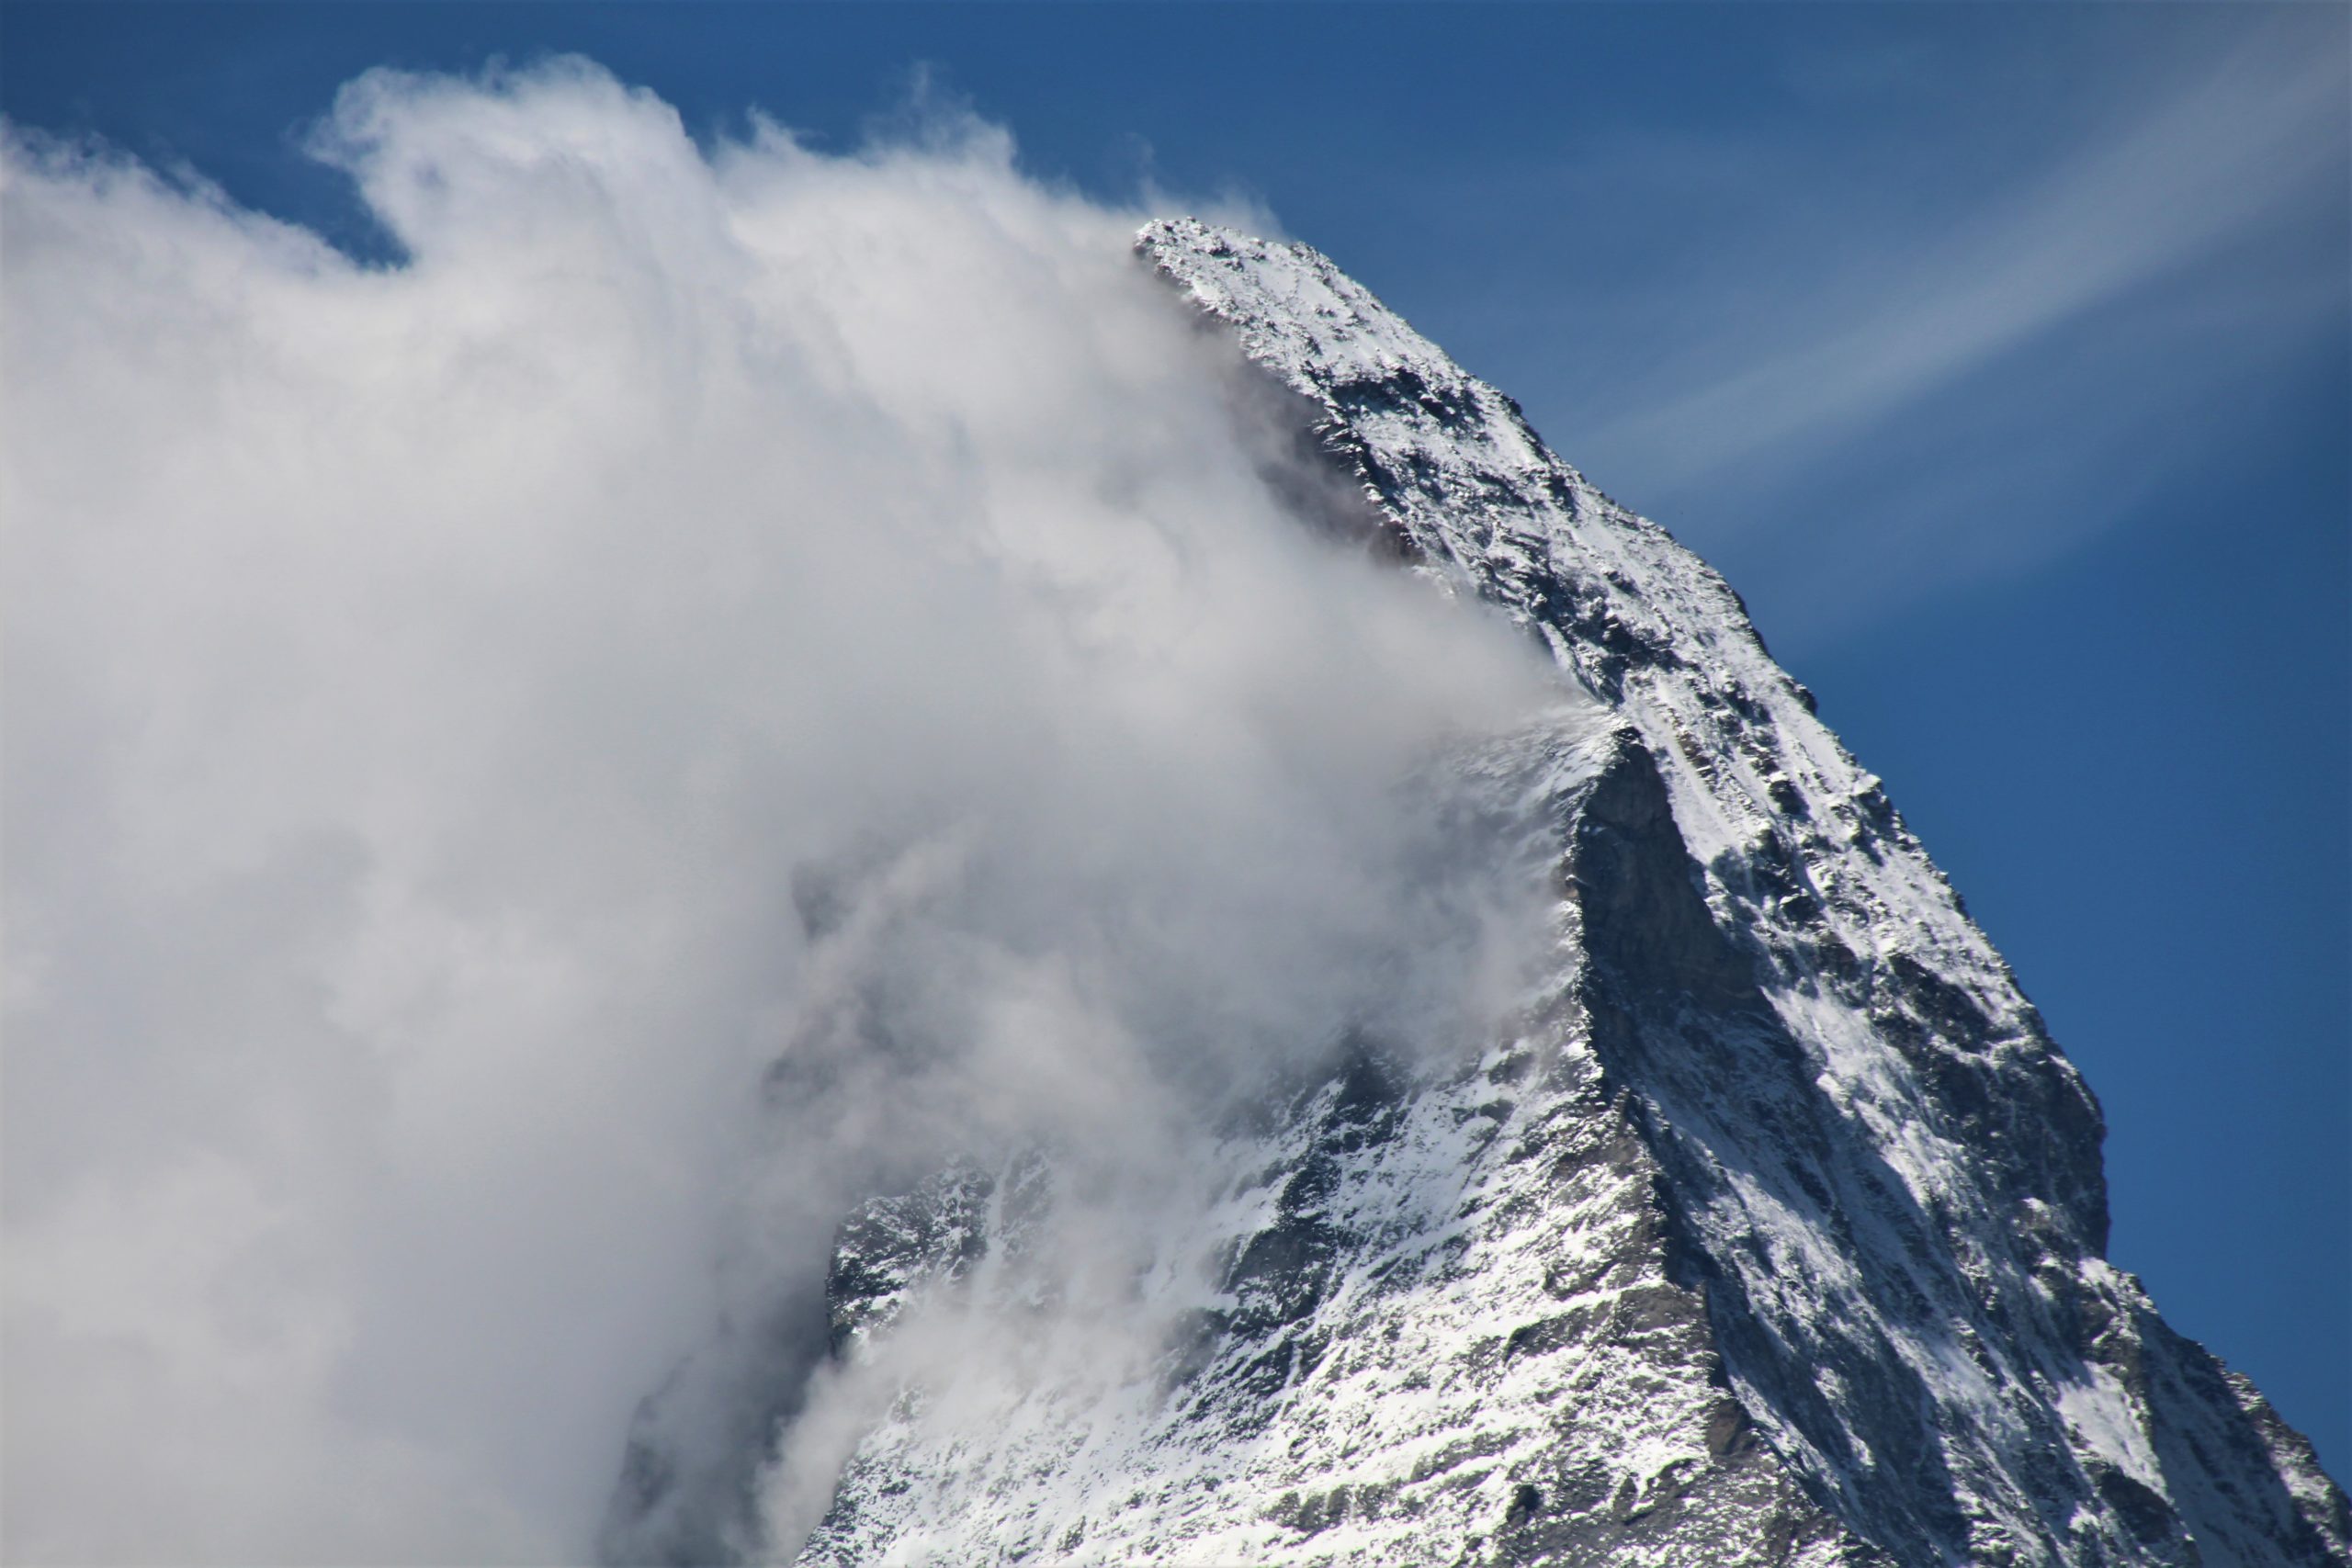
(1768, 1231)
(1442, 1321)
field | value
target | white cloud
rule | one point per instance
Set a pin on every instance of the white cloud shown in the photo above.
(2216, 150)
(427, 685)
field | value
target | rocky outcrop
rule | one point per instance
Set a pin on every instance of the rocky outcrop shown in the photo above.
(1446, 1321)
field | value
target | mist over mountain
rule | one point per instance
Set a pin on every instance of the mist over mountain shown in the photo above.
(808, 858)
(1763, 1225)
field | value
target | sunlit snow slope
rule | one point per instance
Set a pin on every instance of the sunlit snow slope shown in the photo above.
(1769, 1232)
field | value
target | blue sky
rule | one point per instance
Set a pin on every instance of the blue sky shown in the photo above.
(1998, 354)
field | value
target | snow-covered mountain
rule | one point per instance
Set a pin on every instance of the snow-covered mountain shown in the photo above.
(1769, 1230)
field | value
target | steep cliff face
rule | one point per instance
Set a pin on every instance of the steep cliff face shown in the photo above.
(1443, 1318)
(1769, 1229)
(1883, 1177)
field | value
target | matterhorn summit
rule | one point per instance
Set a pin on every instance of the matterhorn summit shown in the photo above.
(1766, 1227)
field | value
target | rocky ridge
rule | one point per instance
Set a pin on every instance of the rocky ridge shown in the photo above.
(1770, 1231)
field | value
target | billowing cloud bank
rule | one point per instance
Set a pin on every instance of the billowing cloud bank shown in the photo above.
(469, 721)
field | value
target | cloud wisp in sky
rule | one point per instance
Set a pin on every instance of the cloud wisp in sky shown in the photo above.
(471, 721)
(2246, 137)
(1818, 434)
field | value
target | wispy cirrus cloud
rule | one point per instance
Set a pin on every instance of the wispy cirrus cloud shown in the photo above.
(2246, 137)
(1865, 381)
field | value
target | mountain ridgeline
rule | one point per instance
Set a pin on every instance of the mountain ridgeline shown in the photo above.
(1770, 1231)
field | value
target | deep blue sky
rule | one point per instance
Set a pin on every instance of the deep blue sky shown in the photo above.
(2001, 356)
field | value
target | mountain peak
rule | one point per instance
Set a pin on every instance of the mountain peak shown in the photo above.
(1769, 1229)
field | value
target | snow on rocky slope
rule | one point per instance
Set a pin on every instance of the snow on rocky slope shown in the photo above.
(1768, 1231)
